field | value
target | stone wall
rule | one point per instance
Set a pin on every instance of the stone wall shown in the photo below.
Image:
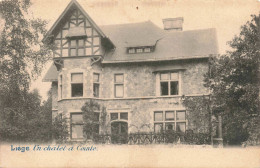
(141, 90)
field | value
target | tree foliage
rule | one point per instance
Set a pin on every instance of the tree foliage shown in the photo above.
(234, 81)
(94, 117)
(22, 56)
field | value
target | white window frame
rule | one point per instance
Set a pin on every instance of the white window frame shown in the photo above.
(158, 80)
(175, 121)
(76, 83)
(119, 83)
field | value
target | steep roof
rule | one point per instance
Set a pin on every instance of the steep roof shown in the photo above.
(168, 45)
(72, 5)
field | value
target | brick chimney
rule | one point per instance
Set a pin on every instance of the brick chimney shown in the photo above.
(173, 24)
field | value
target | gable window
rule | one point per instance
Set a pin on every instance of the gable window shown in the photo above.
(170, 120)
(77, 47)
(76, 84)
(96, 85)
(169, 83)
(77, 37)
(76, 125)
(119, 85)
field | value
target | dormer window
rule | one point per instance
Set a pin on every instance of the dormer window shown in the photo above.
(140, 50)
(147, 50)
(131, 51)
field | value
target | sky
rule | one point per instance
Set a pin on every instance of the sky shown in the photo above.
(227, 16)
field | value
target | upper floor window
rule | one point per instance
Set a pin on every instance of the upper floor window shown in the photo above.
(77, 47)
(96, 85)
(76, 84)
(169, 83)
(119, 85)
(77, 37)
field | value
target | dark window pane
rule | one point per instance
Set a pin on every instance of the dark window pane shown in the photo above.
(158, 116)
(96, 90)
(158, 127)
(96, 117)
(169, 115)
(77, 131)
(181, 115)
(124, 116)
(115, 128)
(124, 128)
(174, 88)
(114, 116)
(76, 90)
(164, 88)
(181, 127)
(169, 126)
(76, 118)
(96, 128)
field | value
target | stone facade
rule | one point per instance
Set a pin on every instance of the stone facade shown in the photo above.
(141, 96)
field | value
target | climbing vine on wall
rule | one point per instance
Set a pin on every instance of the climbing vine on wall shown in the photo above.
(198, 113)
(94, 117)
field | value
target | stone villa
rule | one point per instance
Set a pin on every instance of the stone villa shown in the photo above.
(138, 71)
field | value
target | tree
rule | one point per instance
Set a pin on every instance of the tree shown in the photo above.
(94, 117)
(234, 81)
(22, 56)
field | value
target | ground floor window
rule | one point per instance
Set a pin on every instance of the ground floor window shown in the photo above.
(76, 126)
(170, 120)
(119, 123)
(119, 127)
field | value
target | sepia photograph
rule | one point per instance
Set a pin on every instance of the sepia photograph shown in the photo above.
(142, 83)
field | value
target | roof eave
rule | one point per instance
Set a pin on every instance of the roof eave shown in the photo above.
(154, 60)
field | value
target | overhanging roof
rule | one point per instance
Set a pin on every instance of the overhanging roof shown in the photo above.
(51, 75)
(168, 45)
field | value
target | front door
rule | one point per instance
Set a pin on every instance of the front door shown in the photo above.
(119, 131)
